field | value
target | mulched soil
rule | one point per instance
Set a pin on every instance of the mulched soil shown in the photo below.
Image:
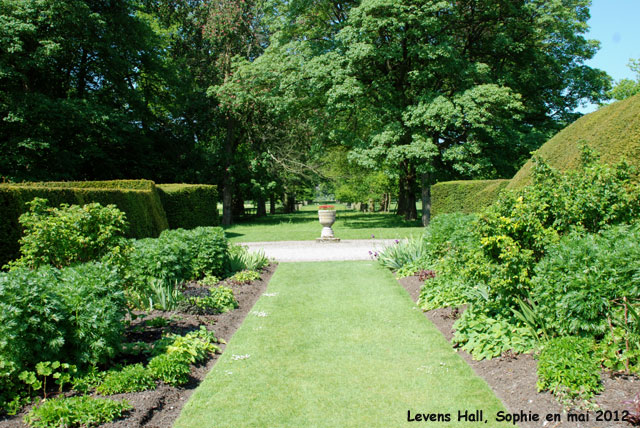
(513, 378)
(160, 408)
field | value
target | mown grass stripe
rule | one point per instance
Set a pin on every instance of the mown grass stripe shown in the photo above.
(342, 345)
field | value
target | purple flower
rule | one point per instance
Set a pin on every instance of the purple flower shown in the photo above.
(370, 252)
(373, 236)
(397, 242)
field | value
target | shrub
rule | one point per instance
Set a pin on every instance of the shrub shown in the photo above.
(585, 277)
(137, 198)
(189, 205)
(568, 368)
(131, 378)
(69, 234)
(74, 314)
(83, 411)
(173, 369)
(209, 249)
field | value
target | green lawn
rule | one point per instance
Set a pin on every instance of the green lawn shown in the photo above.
(340, 344)
(303, 225)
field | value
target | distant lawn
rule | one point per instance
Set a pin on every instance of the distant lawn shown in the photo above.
(337, 344)
(303, 225)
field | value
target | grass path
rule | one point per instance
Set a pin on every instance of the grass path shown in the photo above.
(336, 344)
(304, 225)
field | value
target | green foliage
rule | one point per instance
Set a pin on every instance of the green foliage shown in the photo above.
(245, 277)
(138, 199)
(189, 205)
(72, 412)
(569, 368)
(486, 337)
(219, 300)
(74, 314)
(211, 280)
(69, 234)
(585, 277)
(403, 253)
(171, 368)
(613, 131)
(194, 346)
(240, 258)
(131, 378)
(157, 266)
(61, 373)
(626, 88)
(471, 196)
(88, 380)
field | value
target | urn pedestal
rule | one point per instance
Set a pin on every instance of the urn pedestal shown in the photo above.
(327, 218)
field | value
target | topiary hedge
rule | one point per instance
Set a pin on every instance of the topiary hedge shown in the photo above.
(189, 205)
(466, 196)
(137, 198)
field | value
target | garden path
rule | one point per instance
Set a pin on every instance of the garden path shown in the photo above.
(338, 344)
(312, 251)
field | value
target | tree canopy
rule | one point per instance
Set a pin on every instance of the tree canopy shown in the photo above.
(270, 98)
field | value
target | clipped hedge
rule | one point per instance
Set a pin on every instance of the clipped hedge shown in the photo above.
(465, 196)
(137, 198)
(613, 131)
(189, 205)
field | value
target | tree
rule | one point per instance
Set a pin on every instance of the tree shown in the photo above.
(625, 88)
(77, 91)
(464, 89)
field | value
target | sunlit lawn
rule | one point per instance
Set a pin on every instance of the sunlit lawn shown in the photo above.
(304, 225)
(337, 344)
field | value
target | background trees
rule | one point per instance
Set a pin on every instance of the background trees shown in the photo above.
(251, 96)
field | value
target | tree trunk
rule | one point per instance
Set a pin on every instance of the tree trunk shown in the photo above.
(227, 181)
(289, 203)
(261, 209)
(238, 206)
(272, 204)
(426, 198)
(401, 207)
(411, 213)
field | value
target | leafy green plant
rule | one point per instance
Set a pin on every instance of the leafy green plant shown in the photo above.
(240, 258)
(75, 314)
(61, 373)
(485, 337)
(584, 277)
(402, 253)
(194, 346)
(69, 234)
(569, 368)
(130, 379)
(82, 411)
(210, 280)
(244, 277)
(157, 322)
(163, 295)
(171, 368)
(219, 300)
(88, 380)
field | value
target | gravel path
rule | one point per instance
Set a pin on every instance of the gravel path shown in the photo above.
(312, 251)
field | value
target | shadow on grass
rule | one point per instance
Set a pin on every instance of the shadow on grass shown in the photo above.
(351, 219)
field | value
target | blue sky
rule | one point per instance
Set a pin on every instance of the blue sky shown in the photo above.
(616, 24)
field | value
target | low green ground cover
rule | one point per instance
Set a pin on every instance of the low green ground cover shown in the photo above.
(303, 225)
(336, 344)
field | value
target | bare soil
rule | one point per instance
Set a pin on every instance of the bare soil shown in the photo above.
(513, 378)
(160, 408)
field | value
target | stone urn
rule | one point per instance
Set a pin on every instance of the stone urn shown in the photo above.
(327, 216)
